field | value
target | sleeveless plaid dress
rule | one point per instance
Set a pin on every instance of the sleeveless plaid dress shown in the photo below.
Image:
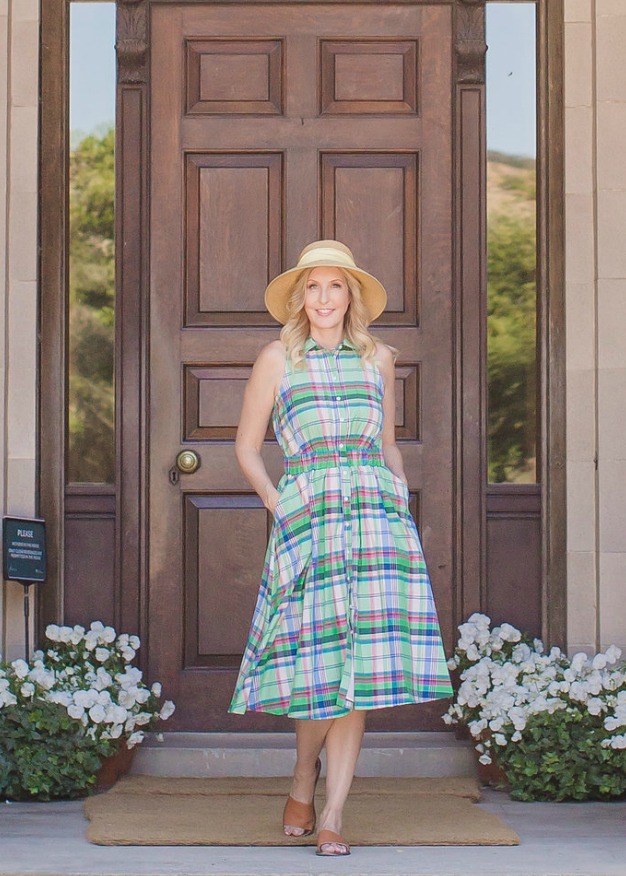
(345, 617)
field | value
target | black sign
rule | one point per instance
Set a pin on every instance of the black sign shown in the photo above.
(24, 549)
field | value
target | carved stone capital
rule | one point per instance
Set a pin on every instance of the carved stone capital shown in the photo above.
(132, 40)
(470, 44)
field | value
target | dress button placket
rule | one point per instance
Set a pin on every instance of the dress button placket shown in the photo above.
(346, 497)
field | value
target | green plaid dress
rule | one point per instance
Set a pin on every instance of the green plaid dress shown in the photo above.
(345, 617)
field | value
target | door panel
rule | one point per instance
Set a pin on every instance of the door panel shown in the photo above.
(271, 126)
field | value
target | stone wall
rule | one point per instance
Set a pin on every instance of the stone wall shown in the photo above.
(19, 61)
(595, 128)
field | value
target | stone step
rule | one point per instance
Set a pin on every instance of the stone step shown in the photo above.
(273, 754)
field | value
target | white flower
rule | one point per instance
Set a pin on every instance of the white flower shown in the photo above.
(130, 678)
(27, 689)
(7, 698)
(20, 667)
(65, 634)
(77, 635)
(485, 759)
(510, 633)
(116, 714)
(102, 654)
(75, 711)
(595, 706)
(135, 738)
(52, 632)
(134, 642)
(167, 709)
(499, 739)
(126, 698)
(85, 698)
(107, 635)
(91, 640)
(97, 713)
(96, 627)
(62, 697)
(127, 653)
(103, 678)
(578, 661)
(43, 677)
(612, 654)
(156, 689)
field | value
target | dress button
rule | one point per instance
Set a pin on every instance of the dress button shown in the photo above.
(338, 398)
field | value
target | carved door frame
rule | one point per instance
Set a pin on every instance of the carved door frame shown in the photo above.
(132, 284)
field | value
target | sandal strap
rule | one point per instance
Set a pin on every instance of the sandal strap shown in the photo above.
(299, 814)
(329, 836)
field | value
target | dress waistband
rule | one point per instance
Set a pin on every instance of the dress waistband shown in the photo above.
(331, 458)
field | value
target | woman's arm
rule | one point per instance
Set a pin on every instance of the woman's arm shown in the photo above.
(258, 401)
(391, 451)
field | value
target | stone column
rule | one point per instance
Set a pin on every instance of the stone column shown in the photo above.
(19, 67)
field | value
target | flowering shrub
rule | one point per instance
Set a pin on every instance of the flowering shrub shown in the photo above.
(557, 726)
(70, 707)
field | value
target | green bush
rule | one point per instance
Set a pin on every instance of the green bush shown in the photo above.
(44, 754)
(560, 757)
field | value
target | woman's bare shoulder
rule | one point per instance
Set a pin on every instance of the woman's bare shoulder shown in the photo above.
(273, 353)
(384, 356)
(270, 362)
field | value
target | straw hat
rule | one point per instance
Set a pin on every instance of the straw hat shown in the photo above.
(324, 253)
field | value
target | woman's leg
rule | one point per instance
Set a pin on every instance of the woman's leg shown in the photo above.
(343, 745)
(310, 736)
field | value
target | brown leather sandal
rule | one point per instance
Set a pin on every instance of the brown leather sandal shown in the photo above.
(325, 837)
(299, 814)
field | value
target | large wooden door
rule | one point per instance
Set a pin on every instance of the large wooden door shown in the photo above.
(272, 126)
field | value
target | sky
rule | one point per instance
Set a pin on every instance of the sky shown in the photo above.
(511, 123)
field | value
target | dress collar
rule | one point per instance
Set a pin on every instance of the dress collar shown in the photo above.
(311, 344)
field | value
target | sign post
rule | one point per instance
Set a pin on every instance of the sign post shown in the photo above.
(24, 559)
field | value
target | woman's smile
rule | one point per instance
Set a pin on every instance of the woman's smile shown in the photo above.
(326, 302)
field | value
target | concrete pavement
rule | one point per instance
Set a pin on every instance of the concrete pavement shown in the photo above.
(557, 839)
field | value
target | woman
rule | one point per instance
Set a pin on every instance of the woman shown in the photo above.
(345, 621)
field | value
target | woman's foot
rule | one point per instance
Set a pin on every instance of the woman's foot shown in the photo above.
(329, 839)
(331, 844)
(299, 812)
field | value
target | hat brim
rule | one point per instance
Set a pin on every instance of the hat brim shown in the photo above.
(277, 293)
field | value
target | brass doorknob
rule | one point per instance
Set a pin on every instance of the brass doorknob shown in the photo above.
(187, 461)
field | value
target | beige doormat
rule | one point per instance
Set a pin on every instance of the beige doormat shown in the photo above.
(155, 811)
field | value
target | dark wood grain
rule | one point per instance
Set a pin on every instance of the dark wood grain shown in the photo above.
(471, 316)
(229, 197)
(53, 207)
(551, 321)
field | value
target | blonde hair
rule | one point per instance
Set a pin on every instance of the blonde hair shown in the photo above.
(297, 328)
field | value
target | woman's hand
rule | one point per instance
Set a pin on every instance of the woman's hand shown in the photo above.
(272, 499)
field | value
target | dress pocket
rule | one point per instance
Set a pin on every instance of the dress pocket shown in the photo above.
(394, 492)
(400, 485)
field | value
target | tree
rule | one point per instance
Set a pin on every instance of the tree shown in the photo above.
(91, 426)
(512, 295)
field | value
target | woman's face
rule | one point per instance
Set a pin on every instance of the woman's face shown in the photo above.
(326, 298)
